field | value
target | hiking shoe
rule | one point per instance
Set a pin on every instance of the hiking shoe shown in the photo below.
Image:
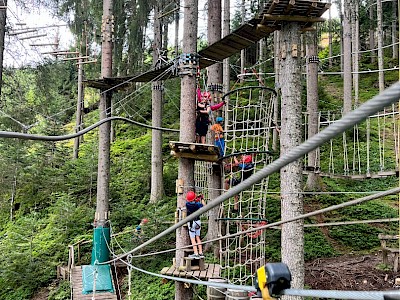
(201, 255)
(195, 256)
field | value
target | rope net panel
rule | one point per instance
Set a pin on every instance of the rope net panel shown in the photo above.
(248, 122)
(369, 149)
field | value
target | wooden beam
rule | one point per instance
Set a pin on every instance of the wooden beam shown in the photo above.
(289, 7)
(288, 18)
(272, 7)
(168, 12)
(32, 36)
(75, 58)
(39, 45)
(311, 8)
(22, 31)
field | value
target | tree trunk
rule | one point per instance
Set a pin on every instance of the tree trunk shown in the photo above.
(214, 79)
(347, 77)
(355, 49)
(330, 38)
(243, 52)
(380, 45)
(339, 8)
(313, 179)
(395, 47)
(226, 30)
(103, 173)
(275, 133)
(177, 28)
(187, 132)
(157, 189)
(372, 33)
(3, 21)
(79, 109)
(292, 244)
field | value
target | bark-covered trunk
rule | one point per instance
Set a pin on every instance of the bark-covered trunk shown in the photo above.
(214, 79)
(3, 21)
(347, 77)
(275, 132)
(225, 31)
(157, 187)
(103, 173)
(355, 49)
(243, 52)
(372, 32)
(187, 125)
(313, 178)
(292, 245)
(395, 20)
(380, 45)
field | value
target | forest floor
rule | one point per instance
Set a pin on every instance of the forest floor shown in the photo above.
(348, 272)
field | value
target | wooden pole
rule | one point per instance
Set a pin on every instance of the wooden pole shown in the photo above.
(103, 173)
(187, 125)
(79, 108)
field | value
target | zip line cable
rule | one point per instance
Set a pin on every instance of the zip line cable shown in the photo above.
(25, 136)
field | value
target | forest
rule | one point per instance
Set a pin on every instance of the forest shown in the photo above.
(56, 190)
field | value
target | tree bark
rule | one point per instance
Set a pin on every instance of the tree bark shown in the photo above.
(214, 79)
(177, 29)
(157, 187)
(3, 21)
(395, 48)
(103, 173)
(355, 49)
(243, 52)
(226, 30)
(292, 243)
(347, 77)
(79, 109)
(380, 45)
(313, 179)
(187, 132)
(372, 33)
(275, 133)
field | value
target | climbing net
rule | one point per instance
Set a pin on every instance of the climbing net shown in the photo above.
(248, 130)
(370, 149)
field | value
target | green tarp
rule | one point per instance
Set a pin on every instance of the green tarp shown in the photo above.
(98, 277)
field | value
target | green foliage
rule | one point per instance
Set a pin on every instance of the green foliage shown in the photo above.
(61, 292)
(316, 245)
(358, 236)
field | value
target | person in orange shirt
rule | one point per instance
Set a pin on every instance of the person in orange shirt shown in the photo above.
(219, 135)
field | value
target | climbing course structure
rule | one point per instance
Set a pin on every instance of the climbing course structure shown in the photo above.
(248, 136)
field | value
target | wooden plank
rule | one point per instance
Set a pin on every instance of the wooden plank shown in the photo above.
(210, 270)
(287, 18)
(164, 270)
(217, 270)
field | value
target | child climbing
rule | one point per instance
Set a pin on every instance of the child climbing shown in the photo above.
(203, 111)
(193, 204)
(246, 168)
(138, 229)
(219, 135)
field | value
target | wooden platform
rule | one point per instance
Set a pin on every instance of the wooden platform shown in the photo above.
(76, 283)
(271, 18)
(381, 174)
(210, 271)
(205, 152)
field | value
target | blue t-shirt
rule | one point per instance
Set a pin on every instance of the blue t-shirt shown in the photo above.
(193, 206)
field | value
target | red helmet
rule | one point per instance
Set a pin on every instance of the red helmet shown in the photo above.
(247, 159)
(144, 221)
(190, 196)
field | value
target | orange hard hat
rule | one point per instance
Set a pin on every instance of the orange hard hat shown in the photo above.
(190, 196)
(144, 221)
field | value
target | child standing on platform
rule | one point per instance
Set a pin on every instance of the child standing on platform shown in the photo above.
(194, 203)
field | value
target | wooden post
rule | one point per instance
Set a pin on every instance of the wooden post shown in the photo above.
(79, 108)
(187, 124)
(103, 173)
